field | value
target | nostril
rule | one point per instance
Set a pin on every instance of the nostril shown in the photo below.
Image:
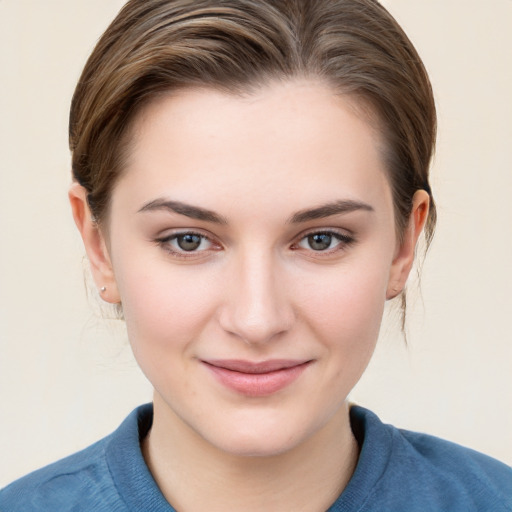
(257, 307)
(260, 323)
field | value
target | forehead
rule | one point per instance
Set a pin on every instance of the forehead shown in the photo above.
(297, 136)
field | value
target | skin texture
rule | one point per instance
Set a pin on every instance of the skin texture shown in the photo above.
(255, 289)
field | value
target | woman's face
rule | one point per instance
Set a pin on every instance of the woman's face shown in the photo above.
(252, 240)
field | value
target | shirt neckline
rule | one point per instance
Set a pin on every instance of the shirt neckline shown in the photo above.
(139, 490)
(129, 471)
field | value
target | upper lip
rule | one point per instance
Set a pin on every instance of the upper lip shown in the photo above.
(271, 365)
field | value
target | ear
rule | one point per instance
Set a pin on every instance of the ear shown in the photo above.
(404, 257)
(95, 245)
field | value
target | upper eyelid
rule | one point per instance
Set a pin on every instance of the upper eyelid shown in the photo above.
(330, 231)
(169, 235)
(164, 243)
(344, 239)
(339, 232)
(167, 238)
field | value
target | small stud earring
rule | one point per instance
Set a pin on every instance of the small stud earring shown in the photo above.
(103, 289)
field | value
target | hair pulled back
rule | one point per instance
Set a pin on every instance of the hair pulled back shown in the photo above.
(156, 46)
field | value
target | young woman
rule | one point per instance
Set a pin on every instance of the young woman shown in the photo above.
(250, 182)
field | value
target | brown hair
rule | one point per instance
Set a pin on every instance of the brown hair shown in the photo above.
(156, 46)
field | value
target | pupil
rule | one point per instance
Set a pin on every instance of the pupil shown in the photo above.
(189, 242)
(319, 242)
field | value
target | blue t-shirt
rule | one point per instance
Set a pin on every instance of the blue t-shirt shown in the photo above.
(397, 471)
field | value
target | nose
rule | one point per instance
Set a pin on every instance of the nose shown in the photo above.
(257, 308)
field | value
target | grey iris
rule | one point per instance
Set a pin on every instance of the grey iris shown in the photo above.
(320, 241)
(189, 242)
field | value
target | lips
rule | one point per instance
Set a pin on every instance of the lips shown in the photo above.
(256, 378)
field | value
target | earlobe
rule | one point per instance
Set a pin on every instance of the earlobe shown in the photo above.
(95, 245)
(404, 258)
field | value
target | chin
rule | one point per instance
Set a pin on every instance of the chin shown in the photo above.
(257, 444)
(261, 435)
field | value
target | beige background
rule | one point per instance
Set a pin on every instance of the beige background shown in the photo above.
(67, 377)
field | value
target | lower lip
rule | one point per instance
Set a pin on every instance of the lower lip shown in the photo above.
(257, 384)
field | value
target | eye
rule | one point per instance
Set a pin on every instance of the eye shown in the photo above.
(184, 244)
(189, 242)
(325, 241)
(319, 241)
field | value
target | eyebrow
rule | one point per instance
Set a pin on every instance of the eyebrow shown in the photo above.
(198, 213)
(326, 210)
(194, 212)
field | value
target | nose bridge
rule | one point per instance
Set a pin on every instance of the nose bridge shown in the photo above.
(257, 308)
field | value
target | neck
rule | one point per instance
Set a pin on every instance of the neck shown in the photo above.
(195, 476)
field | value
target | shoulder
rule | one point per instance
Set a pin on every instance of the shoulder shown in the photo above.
(450, 458)
(82, 481)
(453, 472)
(433, 473)
(79, 478)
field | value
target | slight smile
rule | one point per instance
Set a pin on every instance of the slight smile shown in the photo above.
(256, 379)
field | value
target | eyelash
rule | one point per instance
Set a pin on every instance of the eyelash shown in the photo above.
(165, 243)
(344, 241)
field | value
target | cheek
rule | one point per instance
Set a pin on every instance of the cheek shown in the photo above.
(164, 305)
(345, 306)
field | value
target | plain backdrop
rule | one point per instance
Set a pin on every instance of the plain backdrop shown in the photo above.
(67, 377)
